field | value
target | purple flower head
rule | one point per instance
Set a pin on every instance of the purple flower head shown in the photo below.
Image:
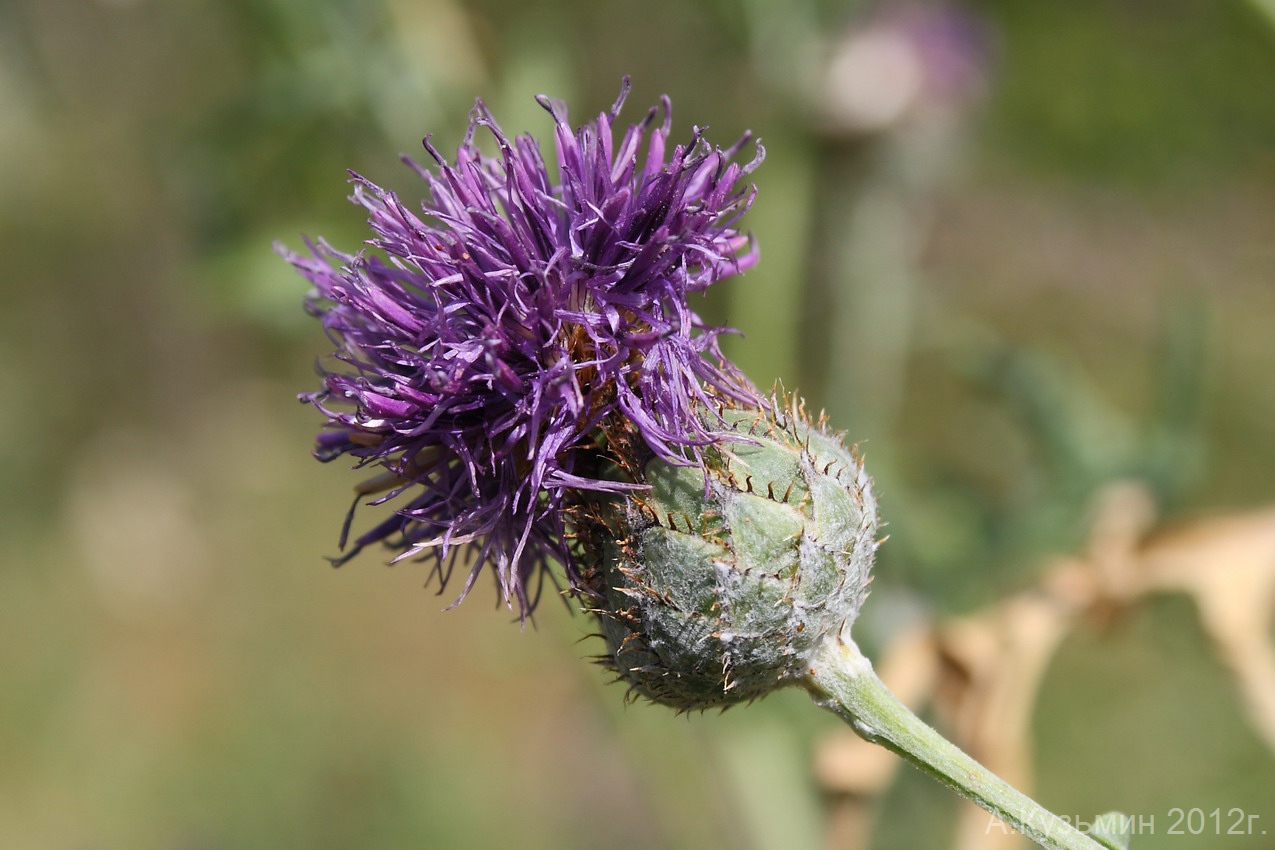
(483, 348)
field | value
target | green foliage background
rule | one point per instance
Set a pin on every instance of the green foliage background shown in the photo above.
(1089, 298)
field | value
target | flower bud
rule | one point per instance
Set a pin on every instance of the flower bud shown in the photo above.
(720, 581)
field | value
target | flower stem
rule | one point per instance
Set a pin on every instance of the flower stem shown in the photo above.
(842, 681)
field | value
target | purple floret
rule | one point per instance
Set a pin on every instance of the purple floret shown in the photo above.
(482, 347)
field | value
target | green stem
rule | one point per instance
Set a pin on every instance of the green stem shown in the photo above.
(842, 681)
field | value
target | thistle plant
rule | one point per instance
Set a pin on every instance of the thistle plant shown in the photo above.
(520, 369)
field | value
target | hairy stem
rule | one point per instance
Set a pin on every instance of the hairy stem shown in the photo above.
(842, 681)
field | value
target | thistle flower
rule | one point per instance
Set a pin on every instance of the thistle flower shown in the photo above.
(481, 346)
(523, 366)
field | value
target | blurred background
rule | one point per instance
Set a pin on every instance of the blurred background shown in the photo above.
(1023, 251)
